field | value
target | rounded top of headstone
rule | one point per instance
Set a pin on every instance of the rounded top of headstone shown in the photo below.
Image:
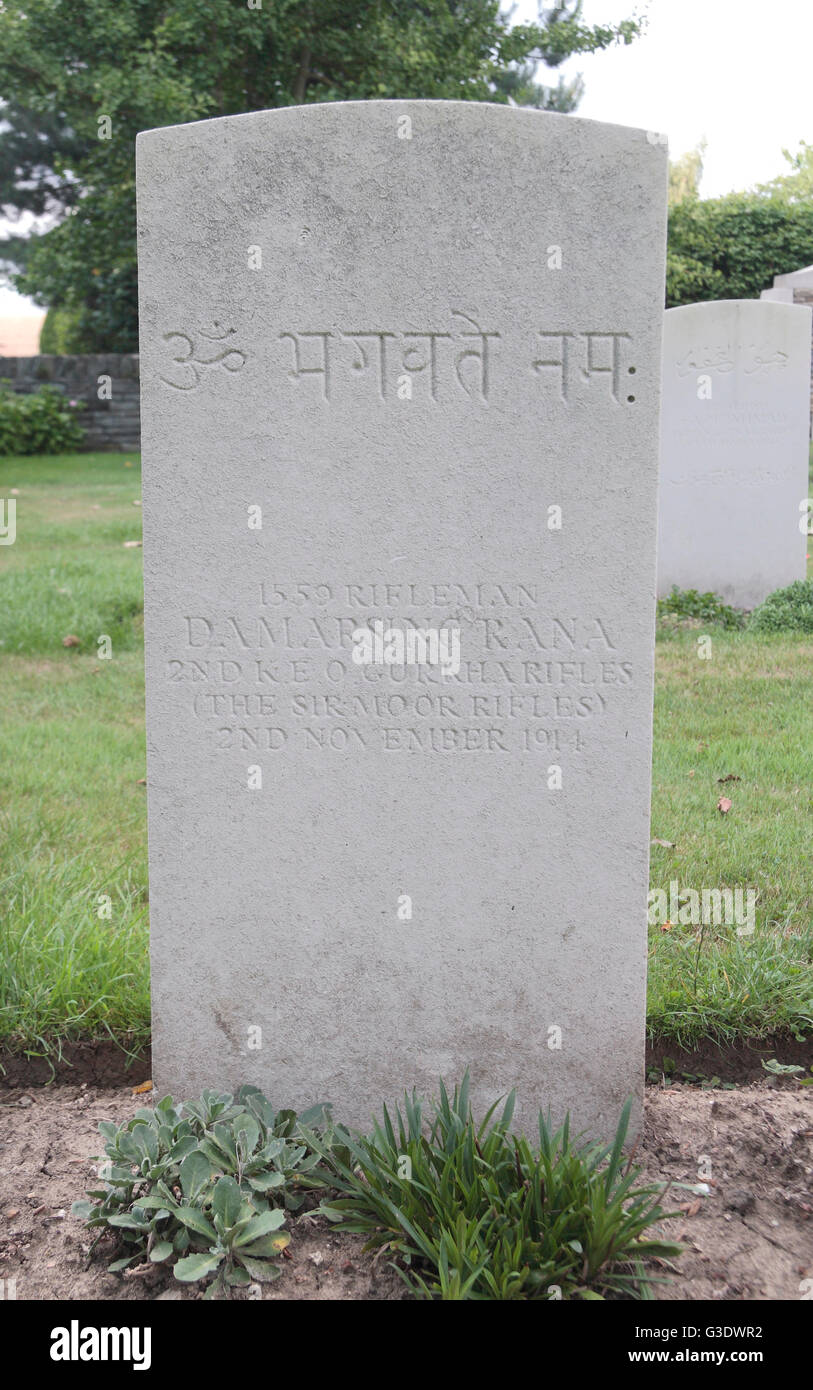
(468, 114)
(801, 279)
(732, 308)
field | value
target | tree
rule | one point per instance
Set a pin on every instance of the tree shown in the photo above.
(80, 78)
(732, 247)
(59, 333)
(685, 174)
(797, 186)
(519, 85)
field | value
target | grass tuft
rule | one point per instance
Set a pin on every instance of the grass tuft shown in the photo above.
(472, 1212)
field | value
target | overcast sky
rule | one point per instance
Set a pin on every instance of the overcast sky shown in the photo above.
(737, 72)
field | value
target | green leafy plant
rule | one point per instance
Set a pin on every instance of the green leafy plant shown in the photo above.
(235, 1241)
(473, 1212)
(43, 422)
(206, 1186)
(706, 608)
(777, 1068)
(786, 610)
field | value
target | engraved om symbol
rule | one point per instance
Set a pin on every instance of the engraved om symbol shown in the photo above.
(191, 358)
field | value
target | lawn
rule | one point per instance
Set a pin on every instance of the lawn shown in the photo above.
(73, 882)
(72, 809)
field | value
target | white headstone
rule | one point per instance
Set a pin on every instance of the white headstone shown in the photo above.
(779, 295)
(400, 370)
(801, 279)
(736, 384)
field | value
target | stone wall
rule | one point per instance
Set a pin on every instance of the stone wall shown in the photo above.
(110, 424)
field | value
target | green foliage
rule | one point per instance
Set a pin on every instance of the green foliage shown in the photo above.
(797, 185)
(146, 63)
(732, 247)
(60, 333)
(685, 174)
(786, 610)
(473, 1212)
(707, 608)
(205, 1186)
(777, 1068)
(43, 422)
(37, 151)
(690, 281)
(518, 84)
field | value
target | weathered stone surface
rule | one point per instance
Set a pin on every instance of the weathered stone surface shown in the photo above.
(410, 333)
(736, 376)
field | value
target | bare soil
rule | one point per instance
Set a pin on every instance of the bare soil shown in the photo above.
(749, 1236)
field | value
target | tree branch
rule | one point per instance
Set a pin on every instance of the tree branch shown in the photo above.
(302, 76)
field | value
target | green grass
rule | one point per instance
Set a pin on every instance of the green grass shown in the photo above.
(748, 711)
(69, 571)
(72, 812)
(73, 816)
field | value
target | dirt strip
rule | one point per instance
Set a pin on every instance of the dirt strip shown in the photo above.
(748, 1231)
(108, 1064)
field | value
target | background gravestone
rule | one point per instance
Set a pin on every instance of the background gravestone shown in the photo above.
(794, 288)
(734, 451)
(423, 338)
